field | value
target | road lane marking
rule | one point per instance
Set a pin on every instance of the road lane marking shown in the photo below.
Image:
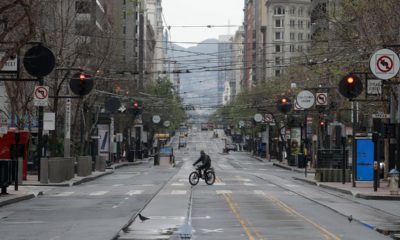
(223, 191)
(178, 192)
(177, 184)
(324, 232)
(218, 230)
(99, 193)
(64, 194)
(249, 184)
(238, 217)
(118, 185)
(134, 192)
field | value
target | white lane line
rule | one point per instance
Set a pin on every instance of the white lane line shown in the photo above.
(64, 194)
(223, 191)
(258, 192)
(118, 185)
(291, 185)
(134, 192)
(99, 193)
(177, 184)
(249, 184)
(178, 192)
(183, 180)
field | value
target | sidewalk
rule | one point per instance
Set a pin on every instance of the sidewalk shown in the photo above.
(364, 190)
(32, 187)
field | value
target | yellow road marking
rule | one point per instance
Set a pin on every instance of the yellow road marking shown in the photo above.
(238, 217)
(323, 231)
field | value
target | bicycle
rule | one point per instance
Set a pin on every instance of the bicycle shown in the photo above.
(208, 176)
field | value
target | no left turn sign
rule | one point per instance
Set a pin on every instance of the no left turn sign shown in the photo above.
(41, 96)
(321, 99)
(384, 64)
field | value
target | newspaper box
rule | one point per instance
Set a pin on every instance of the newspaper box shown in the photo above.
(166, 156)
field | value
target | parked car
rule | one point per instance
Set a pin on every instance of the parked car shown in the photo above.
(231, 147)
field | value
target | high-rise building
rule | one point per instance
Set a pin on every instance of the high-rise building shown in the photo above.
(288, 34)
(237, 61)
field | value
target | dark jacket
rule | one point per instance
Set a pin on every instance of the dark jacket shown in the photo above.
(205, 160)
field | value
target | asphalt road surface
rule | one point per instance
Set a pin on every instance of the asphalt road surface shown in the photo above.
(251, 199)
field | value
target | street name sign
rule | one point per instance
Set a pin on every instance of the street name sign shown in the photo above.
(380, 115)
(374, 86)
(384, 64)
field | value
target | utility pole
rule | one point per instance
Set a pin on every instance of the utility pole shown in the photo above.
(141, 49)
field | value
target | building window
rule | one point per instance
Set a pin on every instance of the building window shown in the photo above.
(300, 48)
(292, 23)
(308, 24)
(278, 35)
(124, 30)
(291, 48)
(278, 61)
(82, 7)
(292, 11)
(301, 12)
(308, 36)
(300, 24)
(277, 48)
(277, 72)
(300, 36)
(279, 23)
(279, 11)
(292, 36)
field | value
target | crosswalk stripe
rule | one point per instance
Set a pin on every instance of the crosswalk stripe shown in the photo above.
(219, 184)
(223, 191)
(99, 193)
(178, 192)
(177, 184)
(134, 192)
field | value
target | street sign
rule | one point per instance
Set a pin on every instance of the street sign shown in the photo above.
(41, 96)
(167, 123)
(49, 121)
(268, 118)
(380, 115)
(241, 123)
(384, 64)
(374, 86)
(321, 99)
(297, 107)
(156, 119)
(305, 99)
(258, 117)
(11, 65)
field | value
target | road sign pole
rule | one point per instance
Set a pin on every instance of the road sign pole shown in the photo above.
(40, 132)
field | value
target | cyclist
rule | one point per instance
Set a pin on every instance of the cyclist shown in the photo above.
(205, 160)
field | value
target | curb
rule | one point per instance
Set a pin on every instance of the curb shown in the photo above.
(17, 199)
(91, 178)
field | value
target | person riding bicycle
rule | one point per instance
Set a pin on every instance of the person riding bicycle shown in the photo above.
(205, 160)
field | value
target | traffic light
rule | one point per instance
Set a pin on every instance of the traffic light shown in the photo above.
(322, 123)
(284, 104)
(350, 86)
(81, 83)
(137, 108)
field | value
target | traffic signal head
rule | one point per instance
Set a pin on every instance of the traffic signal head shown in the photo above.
(81, 83)
(350, 86)
(137, 108)
(322, 123)
(284, 104)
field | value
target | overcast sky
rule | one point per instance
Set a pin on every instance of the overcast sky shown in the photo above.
(201, 13)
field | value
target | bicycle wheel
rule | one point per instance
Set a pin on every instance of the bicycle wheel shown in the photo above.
(194, 178)
(210, 177)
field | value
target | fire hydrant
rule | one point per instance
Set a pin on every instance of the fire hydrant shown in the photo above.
(394, 182)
